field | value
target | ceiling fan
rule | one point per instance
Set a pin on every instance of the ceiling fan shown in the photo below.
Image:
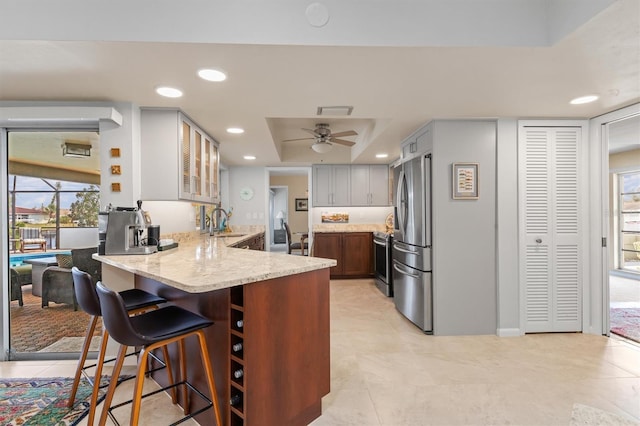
(324, 139)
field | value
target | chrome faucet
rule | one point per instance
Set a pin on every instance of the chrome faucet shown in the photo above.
(212, 229)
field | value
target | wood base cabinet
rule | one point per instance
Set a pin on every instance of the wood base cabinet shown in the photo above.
(352, 250)
(269, 349)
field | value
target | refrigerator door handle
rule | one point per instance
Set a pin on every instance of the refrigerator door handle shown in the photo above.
(397, 268)
(401, 202)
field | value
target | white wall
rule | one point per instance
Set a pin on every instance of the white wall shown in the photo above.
(127, 138)
(172, 216)
(247, 212)
(464, 231)
(507, 229)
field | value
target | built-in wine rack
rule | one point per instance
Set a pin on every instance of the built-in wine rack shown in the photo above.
(237, 366)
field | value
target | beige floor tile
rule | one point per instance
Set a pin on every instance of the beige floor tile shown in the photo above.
(387, 372)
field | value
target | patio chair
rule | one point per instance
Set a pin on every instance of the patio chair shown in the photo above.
(16, 286)
(32, 237)
(57, 281)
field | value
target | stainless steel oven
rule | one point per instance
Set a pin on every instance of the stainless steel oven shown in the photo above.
(382, 243)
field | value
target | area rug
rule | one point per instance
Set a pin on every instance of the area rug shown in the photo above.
(38, 402)
(625, 322)
(585, 415)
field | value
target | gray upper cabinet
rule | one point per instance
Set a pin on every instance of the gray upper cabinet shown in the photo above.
(370, 185)
(179, 160)
(331, 185)
(419, 142)
(355, 185)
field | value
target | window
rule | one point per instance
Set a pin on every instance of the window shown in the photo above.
(629, 185)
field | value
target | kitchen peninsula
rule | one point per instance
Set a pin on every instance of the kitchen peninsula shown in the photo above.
(272, 308)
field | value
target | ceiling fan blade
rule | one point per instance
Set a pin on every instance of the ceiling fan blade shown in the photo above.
(342, 142)
(313, 132)
(347, 133)
(300, 139)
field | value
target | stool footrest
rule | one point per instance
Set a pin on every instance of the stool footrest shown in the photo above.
(120, 380)
(183, 419)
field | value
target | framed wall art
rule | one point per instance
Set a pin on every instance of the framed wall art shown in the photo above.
(465, 181)
(302, 204)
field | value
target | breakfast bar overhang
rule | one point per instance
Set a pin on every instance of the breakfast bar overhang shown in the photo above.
(275, 306)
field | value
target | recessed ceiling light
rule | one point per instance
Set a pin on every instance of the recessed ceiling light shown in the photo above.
(583, 99)
(169, 92)
(382, 155)
(212, 75)
(235, 130)
(249, 157)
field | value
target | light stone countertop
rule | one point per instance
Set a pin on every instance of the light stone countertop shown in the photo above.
(349, 227)
(208, 263)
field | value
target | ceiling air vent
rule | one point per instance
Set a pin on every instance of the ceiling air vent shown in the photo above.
(335, 110)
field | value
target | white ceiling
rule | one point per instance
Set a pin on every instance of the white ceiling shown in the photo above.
(273, 90)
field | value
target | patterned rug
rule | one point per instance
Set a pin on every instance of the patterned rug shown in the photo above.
(625, 322)
(40, 402)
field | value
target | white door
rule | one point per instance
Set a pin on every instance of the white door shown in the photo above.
(550, 224)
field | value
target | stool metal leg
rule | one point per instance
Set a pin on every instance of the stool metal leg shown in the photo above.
(142, 365)
(83, 357)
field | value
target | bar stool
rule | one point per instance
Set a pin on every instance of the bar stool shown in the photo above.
(135, 301)
(152, 330)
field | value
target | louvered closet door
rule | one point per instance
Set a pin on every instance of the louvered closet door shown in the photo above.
(550, 253)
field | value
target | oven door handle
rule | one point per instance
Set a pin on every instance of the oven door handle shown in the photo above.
(380, 242)
(397, 268)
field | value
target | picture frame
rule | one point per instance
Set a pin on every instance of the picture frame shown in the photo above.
(302, 204)
(465, 181)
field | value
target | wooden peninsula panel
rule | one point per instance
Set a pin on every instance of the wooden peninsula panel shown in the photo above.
(285, 357)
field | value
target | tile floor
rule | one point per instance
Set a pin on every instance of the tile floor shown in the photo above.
(385, 372)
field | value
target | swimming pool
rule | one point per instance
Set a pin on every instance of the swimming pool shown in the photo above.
(17, 259)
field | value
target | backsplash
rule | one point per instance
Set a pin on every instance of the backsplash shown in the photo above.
(179, 237)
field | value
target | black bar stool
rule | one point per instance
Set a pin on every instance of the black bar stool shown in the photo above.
(152, 330)
(135, 301)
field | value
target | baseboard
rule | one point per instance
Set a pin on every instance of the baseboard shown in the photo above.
(509, 332)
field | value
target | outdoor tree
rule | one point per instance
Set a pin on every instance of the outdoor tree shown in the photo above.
(85, 209)
(51, 208)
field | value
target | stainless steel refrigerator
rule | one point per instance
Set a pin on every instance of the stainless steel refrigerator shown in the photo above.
(412, 242)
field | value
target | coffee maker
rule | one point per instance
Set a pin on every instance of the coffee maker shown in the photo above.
(121, 229)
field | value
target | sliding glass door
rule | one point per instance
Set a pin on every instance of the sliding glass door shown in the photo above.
(629, 219)
(53, 180)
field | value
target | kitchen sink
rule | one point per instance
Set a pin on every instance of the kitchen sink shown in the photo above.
(229, 235)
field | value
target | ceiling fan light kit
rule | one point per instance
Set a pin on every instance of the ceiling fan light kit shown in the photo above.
(322, 147)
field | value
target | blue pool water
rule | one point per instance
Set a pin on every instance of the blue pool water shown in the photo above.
(16, 259)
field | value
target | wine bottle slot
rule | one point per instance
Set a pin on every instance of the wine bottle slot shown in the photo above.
(235, 400)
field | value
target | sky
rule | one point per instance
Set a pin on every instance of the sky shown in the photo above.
(36, 200)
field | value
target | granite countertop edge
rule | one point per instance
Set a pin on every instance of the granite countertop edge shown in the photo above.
(209, 263)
